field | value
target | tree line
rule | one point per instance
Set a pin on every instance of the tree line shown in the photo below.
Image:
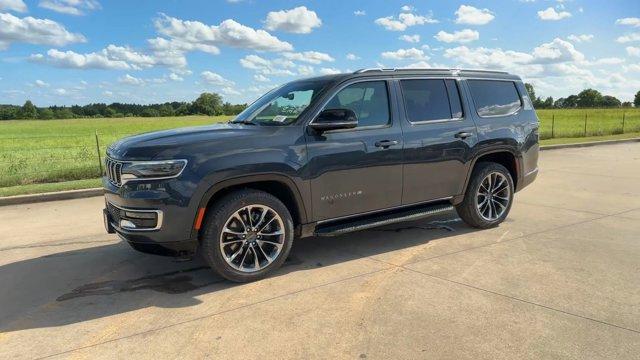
(205, 104)
(587, 98)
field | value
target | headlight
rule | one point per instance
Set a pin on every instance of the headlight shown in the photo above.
(152, 170)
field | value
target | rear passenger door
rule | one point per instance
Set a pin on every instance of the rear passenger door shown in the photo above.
(438, 136)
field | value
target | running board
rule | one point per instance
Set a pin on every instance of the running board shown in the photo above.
(382, 219)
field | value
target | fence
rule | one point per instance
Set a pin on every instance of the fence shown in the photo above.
(48, 159)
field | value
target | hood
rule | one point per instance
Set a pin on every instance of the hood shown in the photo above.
(148, 146)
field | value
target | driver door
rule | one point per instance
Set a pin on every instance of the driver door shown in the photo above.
(354, 171)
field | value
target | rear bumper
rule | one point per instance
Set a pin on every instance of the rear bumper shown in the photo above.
(527, 179)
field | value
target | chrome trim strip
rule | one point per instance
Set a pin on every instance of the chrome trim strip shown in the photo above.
(383, 210)
(121, 179)
(159, 214)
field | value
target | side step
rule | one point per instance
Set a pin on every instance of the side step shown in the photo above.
(348, 226)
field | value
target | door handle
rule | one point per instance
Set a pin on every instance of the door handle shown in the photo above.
(385, 144)
(463, 135)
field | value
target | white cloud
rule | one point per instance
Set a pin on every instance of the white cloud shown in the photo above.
(215, 79)
(261, 78)
(312, 57)
(131, 80)
(550, 14)
(633, 51)
(305, 70)
(70, 59)
(352, 57)
(470, 15)
(329, 71)
(410, 38)
(404, 54)
(299, 20)
(34, 31)
(630, 21)
(580, 38)
(266, 67)
(60, 91)
(229, 32)
(418, 65)
(404, 21)
(556, 51)
(227, 90)
(70, 7)
(633, 37)
(359, 13)
(608, 61)
(108, 93)
(41, 84)
(13, 5)
(462, 36)
(175, 77)
(112, 57)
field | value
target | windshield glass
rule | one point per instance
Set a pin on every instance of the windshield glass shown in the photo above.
(282, 105)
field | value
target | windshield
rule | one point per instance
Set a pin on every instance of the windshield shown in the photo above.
(282, 105)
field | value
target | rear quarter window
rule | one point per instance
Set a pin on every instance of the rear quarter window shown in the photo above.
(494, 98)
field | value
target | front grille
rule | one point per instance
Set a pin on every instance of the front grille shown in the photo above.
(113, 170)
(115, 213)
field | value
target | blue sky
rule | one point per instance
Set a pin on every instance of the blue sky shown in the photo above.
(145, 51)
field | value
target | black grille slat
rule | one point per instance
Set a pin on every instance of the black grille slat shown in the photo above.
(113, 171)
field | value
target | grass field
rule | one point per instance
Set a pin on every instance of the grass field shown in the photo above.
(47, 155)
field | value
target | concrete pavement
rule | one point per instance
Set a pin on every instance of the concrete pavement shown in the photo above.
(559, 279)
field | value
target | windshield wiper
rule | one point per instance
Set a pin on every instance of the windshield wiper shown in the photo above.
(244, 122)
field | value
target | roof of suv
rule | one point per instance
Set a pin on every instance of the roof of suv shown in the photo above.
(484, 74)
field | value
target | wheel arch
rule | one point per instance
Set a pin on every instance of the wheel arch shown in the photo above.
(506, 157)
(280, 186)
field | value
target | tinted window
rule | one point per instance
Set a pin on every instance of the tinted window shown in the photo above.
(425, 100)
(369, 100)
(454, 98)
(494, 98)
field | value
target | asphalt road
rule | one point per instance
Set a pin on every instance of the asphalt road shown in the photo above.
(559, 279)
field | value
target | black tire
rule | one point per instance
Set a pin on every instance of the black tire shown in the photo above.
(216, 219)
(468, 208)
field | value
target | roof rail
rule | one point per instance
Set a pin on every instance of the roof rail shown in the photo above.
(453, 70)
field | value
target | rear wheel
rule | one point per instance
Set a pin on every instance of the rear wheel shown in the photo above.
(489, 195)
(247, 235)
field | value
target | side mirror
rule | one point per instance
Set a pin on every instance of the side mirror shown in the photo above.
(334, 119)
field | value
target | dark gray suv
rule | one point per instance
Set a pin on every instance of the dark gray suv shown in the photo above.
(322, 157)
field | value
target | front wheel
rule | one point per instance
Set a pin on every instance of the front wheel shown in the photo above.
(247, 235)
(488, 198)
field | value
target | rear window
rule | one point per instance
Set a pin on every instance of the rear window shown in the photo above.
(494, 98)
(427, 100)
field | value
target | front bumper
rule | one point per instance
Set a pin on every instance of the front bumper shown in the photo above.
(168, 232)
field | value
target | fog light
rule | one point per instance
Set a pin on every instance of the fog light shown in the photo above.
(126, 224)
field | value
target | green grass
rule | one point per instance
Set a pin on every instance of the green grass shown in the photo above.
(562, 141)
(46, 151)
(570, 123)
(50, 187)
(50, 155)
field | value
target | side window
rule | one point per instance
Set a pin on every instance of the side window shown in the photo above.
(454, 98)
(426, 100)
(494, 98)
(369, 100)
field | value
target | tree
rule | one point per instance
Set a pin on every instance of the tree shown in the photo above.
(46, 114)
(636, 100)
(548, 103)
(589, 98)
(571, 101)
(627, 104)
(208, 104)
(530, 90)
(28, 111)
(610, 101)
(166, 110)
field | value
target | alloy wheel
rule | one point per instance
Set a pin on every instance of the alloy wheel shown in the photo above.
(252, 238)
(493, 196)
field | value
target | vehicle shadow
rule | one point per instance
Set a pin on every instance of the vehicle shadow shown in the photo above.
(95, 282)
